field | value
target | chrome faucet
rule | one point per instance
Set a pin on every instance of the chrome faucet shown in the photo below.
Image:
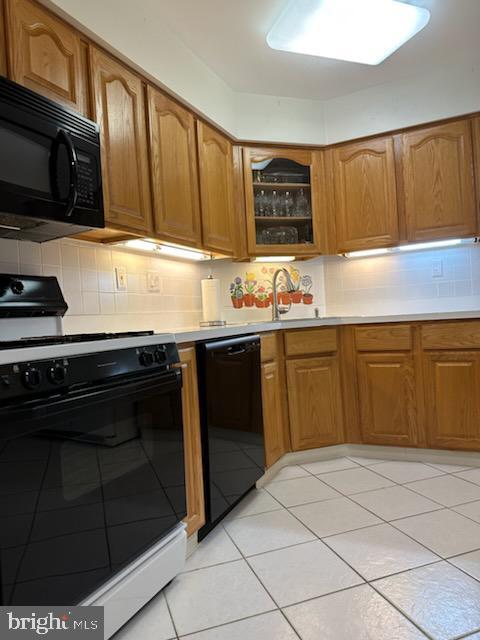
(278, 310)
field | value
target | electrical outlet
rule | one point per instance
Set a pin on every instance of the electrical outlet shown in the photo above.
(121, 278)
(153, 281)
(437, 269)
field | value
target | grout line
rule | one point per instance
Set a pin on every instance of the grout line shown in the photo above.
(364, 581)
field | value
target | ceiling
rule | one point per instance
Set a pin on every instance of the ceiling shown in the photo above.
(229, 36)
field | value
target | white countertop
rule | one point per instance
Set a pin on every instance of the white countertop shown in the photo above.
(193, 334)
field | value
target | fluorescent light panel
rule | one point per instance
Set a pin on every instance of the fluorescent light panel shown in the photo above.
(275, 259)
(165, 249)
(364, 31)
(419, 246)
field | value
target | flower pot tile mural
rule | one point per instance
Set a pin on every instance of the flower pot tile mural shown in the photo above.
(255, 288)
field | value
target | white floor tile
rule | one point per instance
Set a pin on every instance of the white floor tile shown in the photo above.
(379, 551)
(257, 501)
(214, 549)
(267, 626)
(445, 532)
(153, 622)
(469, 562)
(472, 475)
(471, 510)
(401, 472)
(353, 481)
(267, 531)
(355, 614)
(395, 502)
(216, 595)
(365, 462)
(287, 473)
(447, 490)
(448, 468)
(440, 599)
(324, 466)
(334, 516)
(300, 491)
(302, 572)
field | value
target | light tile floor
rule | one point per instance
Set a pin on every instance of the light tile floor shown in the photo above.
(351, 548)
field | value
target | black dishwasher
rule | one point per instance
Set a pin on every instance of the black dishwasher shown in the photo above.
(231, 422)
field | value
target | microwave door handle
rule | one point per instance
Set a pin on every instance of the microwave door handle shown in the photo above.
(64, 137)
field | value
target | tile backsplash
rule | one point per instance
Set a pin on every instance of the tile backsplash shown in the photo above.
(252, 282)
(432, 280)
(421, 281)
(86, 274)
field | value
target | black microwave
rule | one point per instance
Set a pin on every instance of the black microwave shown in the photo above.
(50, 172)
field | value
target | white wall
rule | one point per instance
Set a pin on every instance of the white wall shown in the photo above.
(404, 282)
(451, 91)
(140, 38)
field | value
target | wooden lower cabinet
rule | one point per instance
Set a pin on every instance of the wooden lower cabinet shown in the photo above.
(452, 383)
(274, 422)
(193, 446)
(387, 398)
(315, 403)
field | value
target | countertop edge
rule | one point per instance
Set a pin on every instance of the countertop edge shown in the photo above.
(192, 334)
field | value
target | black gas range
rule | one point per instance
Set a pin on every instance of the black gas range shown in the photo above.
(91, 454)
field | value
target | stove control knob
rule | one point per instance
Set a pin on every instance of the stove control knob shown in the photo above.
(57, 374)
(160, 355)
(17, 287)
(146, 359)
(31, 378)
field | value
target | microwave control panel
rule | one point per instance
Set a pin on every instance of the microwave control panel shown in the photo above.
(87, 186)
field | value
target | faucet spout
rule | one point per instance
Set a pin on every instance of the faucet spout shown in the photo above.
(278, 310)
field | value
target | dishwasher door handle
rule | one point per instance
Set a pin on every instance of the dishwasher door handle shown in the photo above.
(232, 351)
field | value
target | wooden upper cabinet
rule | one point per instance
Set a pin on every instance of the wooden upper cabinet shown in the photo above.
(438, 182)
(46, 55)
(315, 403)
(386, 390)
(452, 380)
(119, 109)
(285, 201)
(217, 194)
(173, 163)
(3, 42)
(365, 195)
(476, 151)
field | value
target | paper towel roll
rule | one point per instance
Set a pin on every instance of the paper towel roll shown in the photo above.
(211, 300)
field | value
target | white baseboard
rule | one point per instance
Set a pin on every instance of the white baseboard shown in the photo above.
(411, 454)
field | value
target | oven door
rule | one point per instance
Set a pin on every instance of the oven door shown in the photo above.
(88, 481)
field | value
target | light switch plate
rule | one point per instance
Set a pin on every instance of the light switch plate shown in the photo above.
(121, 278)
(153, 281)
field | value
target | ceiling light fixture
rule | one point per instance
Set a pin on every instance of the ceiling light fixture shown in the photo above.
(364, 31)
(275, 259)
(165, 249)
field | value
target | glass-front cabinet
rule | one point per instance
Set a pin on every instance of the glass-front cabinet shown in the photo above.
(285, 202)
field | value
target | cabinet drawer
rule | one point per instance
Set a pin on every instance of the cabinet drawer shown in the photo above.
(269, 349)
(385, 338)
(451, 335)
(310, 341)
